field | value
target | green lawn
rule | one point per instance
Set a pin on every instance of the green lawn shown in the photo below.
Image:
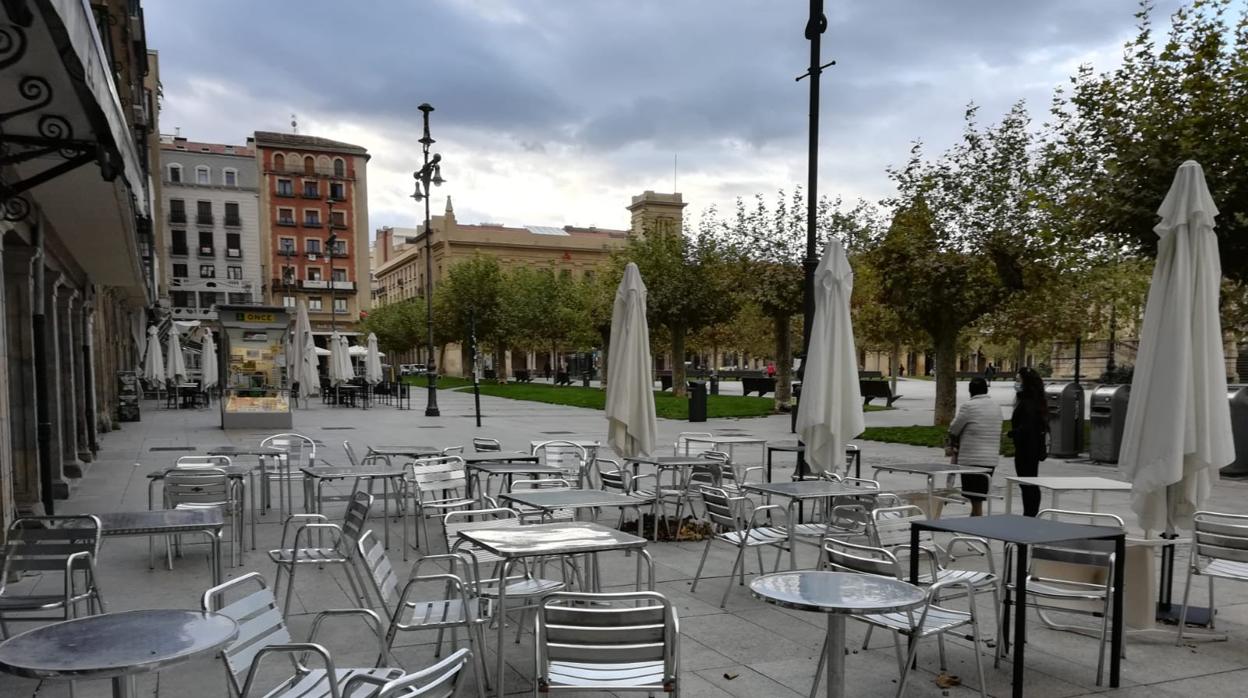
(935, 436)
(665, 404)
(444, 382)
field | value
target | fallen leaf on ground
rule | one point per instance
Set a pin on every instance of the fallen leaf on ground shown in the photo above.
(948, 681)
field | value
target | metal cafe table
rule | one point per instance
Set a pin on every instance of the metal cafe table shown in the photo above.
(318, 475)
(405, 451)
(716, 443)
(837, 594)
(115, 646)
(550, 501)
(1059, 485)
(797, 492)
(1023, 532)
(931, 471)
(166, 522)
(507, 471)
(242, 475)
(546, 540)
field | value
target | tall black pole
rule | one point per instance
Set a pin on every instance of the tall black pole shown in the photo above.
(423, 178)
(815, 27)
(476, 384)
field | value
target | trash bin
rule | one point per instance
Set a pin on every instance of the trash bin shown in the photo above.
(1108, 415)
(585, 379)
(697, 401)
(1065, 418)
(1238, 395)
(714, 385)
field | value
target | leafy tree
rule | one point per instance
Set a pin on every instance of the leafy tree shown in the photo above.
(399, 326)
(471, 292)
(547, 311)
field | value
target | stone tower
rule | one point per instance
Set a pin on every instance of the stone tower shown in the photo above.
(661, 213)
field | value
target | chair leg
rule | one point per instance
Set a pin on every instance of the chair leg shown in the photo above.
(483, 674)
(823, 658)
(290, 590)
(1100, 650)
(905, 670)
(979, 659)
(698, 575)
(1212, 606)
(738, 562)
(1187, 592)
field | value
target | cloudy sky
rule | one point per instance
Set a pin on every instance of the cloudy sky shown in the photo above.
(553, 112)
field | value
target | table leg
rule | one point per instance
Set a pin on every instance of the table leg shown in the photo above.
(1019, 612)
(214, 540)
(385, 510)
(836, 655)
(123, 686)
(769, 452)
(1009, 496)
(643, 553)
(931, 497)
(500, 665)
(1115, 662)
(792, 539)
(251, 496)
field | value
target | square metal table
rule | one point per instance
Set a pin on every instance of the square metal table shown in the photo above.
(515, 543)
(320, 474)
(260, 453)
(507, 471)
(549, 501)
(163, 522)
(715, 442)
(797, 492)
(498, 457)
(1058, 485)
(388, 452)
(802, 469)
(243, 475)
(1023, 532)
(931, 471)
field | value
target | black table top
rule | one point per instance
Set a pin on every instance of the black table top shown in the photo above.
(1024, 530)
(499, 457)
(120, 523)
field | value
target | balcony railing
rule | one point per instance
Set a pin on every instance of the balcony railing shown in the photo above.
(288, 252)
(311, 223)
(177, 216)
(207, 251)
(311, 194)
(234, 254)
(178, 250)
(297, 168)
(233, 222)
(329, 285)
(286, 221)
(313, 254)
(203, 218)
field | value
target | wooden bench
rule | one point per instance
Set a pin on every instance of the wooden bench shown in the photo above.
(871, 389)
(870, 375)
(522, 375)
(757, 384)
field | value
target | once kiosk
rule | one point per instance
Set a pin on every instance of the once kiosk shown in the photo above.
(255, 394)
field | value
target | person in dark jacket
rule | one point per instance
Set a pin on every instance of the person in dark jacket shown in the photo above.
(1029, 429)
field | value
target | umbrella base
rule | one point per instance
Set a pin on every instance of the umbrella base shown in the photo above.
(1196, 615)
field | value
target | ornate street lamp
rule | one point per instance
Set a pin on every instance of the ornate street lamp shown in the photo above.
(429, 174)
(331, 242)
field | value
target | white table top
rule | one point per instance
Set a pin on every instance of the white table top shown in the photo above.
(836, 592)
(725, 440)
(1072, 483)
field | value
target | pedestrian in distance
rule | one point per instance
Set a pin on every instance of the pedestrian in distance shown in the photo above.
(1029, 428)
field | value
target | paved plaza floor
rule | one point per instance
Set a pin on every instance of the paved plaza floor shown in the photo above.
(747, 649)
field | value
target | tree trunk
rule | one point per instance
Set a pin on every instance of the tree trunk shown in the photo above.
(784, 364)
(500, 362)
(946, 377)
(894, 360)
(602, 361)
(678, 360)
(1022, 354)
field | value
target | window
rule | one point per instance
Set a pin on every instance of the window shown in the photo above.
(178, 242)
(340, 248)
(203, 175)
(288, 301)
(179, 271)
(203, 212)
(182, 299)
(234, 272)
(233, 245)
(340, 305)
(232, 219)
(314, 304)
(339, 274)
(239, 298)
(279, 162)
(288, 275)
(340, 167)
(337, 192)
(312, 245)
(230, 177)
(177, 211)
(340, 219)
(207, 271)
(207, 299)
(175, 174)
(311, 218)
(286, 246)
(285, 216)
(311, 189)
(309, 165)
(285, 187)
(314, 273)
(205, 243)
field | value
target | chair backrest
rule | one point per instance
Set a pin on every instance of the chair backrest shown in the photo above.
(720, 507)
(682, 447)
(44, 544)
(437, 681)
(1088, 553)
(457, 521)
(346, 446)
(568, 457)
(355, 519)
(612, 477)
(728, 474)
(198, 486)
(1220, 536)
(890, 527)
(203, 462)
(609, 631)
(379, 571)
(551, 483)
(841, 556)
(300, 450)
(853, 458)
(453, 451)
(438, 474)
(481, 443)
(248, 601)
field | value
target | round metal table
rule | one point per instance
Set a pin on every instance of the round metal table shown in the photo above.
(115, 645)
(838, 594)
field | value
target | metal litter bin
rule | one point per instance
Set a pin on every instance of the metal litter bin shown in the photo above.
(1108, 417)
(1065, 418)
(697, 401)
(1238, 395)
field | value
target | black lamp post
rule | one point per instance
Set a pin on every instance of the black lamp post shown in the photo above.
(430, 173)
(331, 242)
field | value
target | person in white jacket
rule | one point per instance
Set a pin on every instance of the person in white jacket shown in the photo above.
(977, 430)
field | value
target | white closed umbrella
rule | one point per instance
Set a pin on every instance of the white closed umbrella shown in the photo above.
(337, 358)
(372, 361)
(175, 363)
(317, 351)
(1178, 426)
(348, 368)
(631, 424)
(153, 359)
(830, 411)
(209, 351)
(306, 368)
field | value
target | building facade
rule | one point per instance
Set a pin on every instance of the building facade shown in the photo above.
(210, 233)
(78, 256)
(313, 190)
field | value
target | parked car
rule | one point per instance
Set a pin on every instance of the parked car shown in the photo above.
(411, 369)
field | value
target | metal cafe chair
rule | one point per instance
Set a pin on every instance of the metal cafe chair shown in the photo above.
(571, 459)
(262, 631)
(482, 444)
(437, 681)
(590, 643)
(728, 515)
(934, 619)
(63, 551)
(1219, 551)
(300, 451)
(435, 487)
(341, 551)
(457, 607)
(535, 515)
(615, 478)
(200, 487)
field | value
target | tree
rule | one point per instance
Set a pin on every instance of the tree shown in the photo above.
(1118, 137)
(470, 293)
(688, 286)
(399, 326)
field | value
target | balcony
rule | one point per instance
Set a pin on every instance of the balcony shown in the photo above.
(285, 192)
(289, 222)
(177, 216)
(207, 251)
(287, 252)
(339, 226)
(233, 254)
(311, 194)
(203, 219)
(297, 168)
(307, 223)
(233, 222)
(313, 254)
(178, 251)
(322, 284)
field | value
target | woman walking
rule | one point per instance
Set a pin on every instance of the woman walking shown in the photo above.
(1030, 430)
(977, 431)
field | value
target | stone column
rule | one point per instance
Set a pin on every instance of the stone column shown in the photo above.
(91, 413)
(71, 467)
(56, 396)
(18, 304)
(78, 383)
(7, 504)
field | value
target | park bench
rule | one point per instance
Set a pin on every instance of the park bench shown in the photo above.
(871, 389)
(522, 375)
(757, 384)
(870, 375)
